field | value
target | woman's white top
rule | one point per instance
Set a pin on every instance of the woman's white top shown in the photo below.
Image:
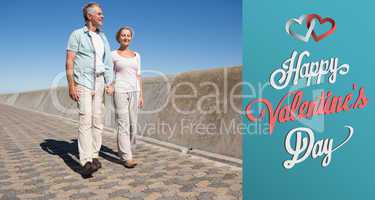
(127, 72)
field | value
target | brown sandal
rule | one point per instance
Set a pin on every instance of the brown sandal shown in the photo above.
(130, 163)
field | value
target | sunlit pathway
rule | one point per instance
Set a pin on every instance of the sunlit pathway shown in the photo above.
(38, 160)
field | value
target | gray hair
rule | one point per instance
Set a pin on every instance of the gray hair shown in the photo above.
(89, 9)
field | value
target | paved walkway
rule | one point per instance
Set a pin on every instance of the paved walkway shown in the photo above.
(38, 160)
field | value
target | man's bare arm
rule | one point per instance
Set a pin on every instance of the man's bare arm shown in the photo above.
(70, 55)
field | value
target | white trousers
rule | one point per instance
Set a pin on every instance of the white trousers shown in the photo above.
(91, 121)
(126, 105)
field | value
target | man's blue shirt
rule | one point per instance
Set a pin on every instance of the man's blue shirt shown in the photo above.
(80, 42)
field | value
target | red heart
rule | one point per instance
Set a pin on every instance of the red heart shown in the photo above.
(310, 17)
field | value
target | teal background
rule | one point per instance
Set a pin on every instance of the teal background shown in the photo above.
(351, 173)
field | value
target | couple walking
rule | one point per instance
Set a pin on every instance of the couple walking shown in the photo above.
(92, 71)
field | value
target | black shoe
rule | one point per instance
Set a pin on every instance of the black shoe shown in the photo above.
(87, 170)
(96, 164)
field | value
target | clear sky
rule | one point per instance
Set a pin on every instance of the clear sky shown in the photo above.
(171, 35)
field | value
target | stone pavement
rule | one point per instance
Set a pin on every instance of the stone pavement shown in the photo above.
(38, 160)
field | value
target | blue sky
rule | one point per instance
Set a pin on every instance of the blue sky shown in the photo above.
(171, 35)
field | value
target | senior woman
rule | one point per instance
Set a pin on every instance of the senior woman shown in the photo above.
(128, 94)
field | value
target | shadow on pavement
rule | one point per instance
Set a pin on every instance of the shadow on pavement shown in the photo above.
(68, 152)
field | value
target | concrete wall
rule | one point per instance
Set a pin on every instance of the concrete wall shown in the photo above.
(193, 109)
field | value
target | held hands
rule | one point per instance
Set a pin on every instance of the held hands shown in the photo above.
(109, 90)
